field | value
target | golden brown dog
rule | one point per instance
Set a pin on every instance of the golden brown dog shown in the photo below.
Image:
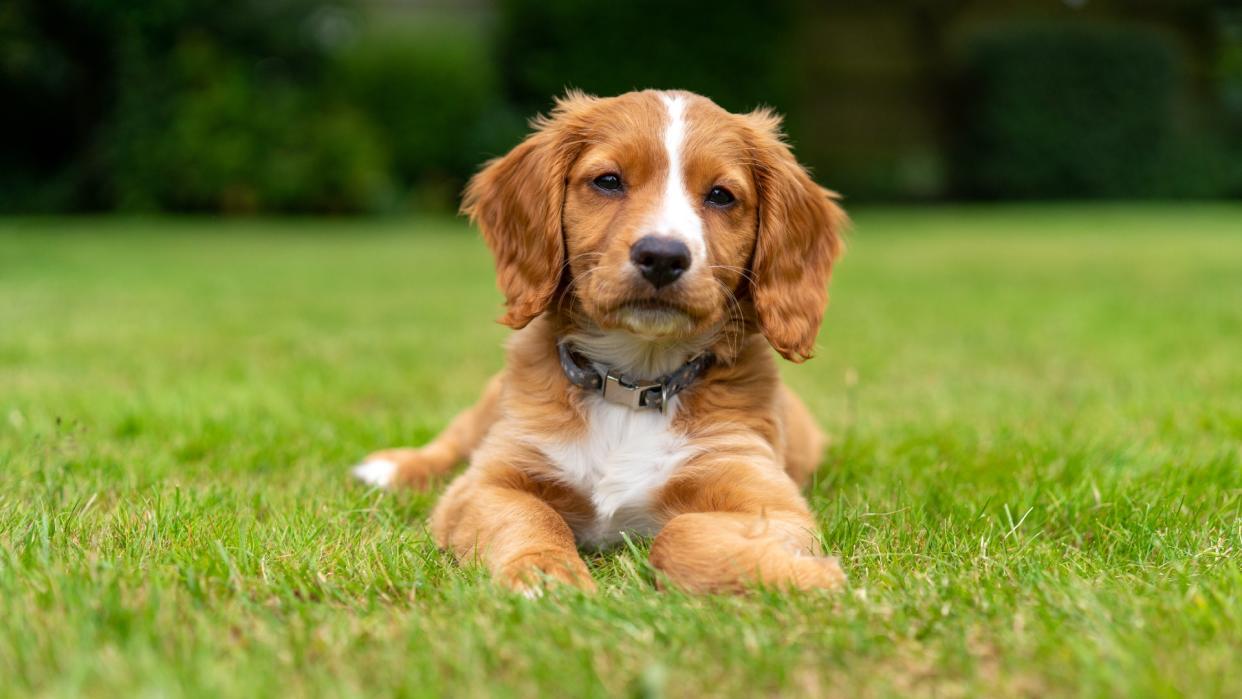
(649, 247)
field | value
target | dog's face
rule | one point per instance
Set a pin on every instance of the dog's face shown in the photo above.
(660, 214)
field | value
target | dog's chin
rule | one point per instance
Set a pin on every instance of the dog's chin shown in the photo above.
(656, 324)
(653, 320)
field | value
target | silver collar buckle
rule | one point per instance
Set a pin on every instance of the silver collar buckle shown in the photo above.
(633, 396)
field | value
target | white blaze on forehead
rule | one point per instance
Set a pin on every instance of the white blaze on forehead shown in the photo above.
(676, 216)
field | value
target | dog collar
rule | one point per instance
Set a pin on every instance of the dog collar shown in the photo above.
(617, 388)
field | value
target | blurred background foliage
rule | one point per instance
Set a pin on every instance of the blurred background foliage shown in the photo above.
(243, 106)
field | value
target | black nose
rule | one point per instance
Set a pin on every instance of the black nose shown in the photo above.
(661, 260)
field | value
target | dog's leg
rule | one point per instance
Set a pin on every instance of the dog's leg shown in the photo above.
(736, 525)
(804, 441)
(414, 467)
(498, 516)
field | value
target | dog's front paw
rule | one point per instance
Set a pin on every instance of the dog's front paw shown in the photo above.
(530, 574)
(818, 573)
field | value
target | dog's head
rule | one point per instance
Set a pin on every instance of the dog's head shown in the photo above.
(651, 212)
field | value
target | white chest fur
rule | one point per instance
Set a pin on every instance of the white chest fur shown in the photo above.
(624, 457)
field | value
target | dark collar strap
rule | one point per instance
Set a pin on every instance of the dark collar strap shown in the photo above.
(617, 388)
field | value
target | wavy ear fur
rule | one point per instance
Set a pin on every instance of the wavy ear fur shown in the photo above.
(516, 201)
(800, 236)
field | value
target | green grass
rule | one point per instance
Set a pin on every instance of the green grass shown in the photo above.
(1035, 482)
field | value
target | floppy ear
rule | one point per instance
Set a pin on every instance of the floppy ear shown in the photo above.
(516, 201)
(800, 236)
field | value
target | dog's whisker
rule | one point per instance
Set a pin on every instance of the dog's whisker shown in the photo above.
(733, 338)
(577, 280)
(742, 271)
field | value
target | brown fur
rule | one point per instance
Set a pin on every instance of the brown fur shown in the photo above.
(732, 515)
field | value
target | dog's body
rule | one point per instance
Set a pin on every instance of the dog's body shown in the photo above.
(646, 236)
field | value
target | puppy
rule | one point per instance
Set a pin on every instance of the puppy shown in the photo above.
(650, 247)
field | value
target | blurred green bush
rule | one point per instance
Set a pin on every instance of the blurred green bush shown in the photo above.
(430, 90)
(1081, 111)
(231, 139)
(735, 51)
(212, 105)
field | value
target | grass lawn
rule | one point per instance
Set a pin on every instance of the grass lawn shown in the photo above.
(1035, 482)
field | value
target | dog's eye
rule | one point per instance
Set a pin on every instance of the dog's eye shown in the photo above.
(609, 182)
(719, 196)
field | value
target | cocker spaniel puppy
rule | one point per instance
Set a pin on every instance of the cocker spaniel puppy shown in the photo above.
(650, 247)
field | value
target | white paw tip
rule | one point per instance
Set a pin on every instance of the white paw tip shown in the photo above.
(377, 473)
